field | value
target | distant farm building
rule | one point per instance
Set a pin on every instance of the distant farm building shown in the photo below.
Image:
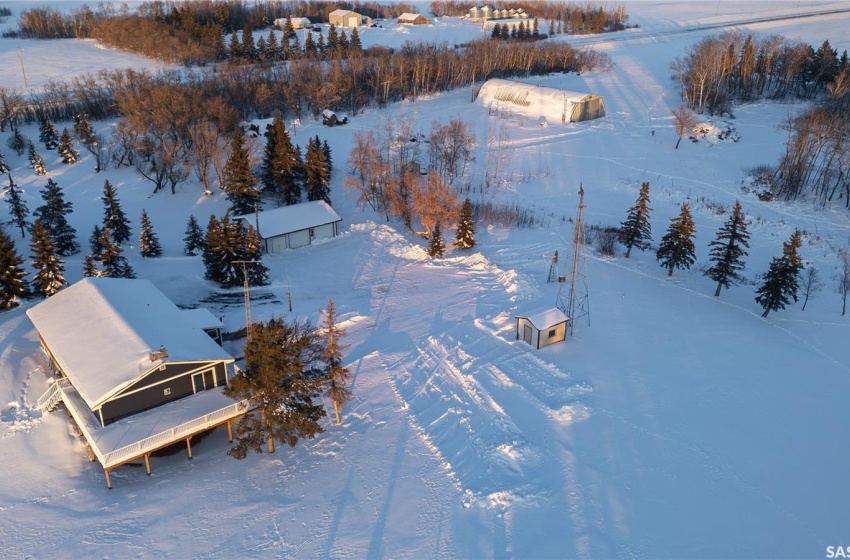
(135, 372)
(542, 329)
(413, 19)
(291, 227)
(297, 22)
(478, 14)
(552, 104)
(345, 18)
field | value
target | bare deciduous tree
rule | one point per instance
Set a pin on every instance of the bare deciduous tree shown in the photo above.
(810, 283)
(842, 278)
(684, 120)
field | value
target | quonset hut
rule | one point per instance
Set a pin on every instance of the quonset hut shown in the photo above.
(552, 104)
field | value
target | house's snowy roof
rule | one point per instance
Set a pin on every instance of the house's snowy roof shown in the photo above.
(288, 219)
(341, 12)
(202, 318)
(294, 20)
(101, 332)
(408, 16)
(547, 318)
(535, 101)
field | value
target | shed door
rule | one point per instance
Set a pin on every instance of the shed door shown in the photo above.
(323, 232)
(198, 382)
(277, 244)
(526, 334)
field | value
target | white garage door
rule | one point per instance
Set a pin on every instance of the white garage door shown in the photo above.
(299, 238)
(323, 232)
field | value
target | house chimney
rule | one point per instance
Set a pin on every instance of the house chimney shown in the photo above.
(158, 354)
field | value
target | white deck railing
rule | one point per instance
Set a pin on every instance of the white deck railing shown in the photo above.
(53, 395)
(173, 435)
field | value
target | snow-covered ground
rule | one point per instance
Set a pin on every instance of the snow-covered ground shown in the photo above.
(675, 425)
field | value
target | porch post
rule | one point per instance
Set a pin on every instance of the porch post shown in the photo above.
(189, 446)
(148, 463)
(108, 482)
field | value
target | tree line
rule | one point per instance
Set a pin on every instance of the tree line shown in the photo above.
(732, 67)
(816, 160)
(787, 278)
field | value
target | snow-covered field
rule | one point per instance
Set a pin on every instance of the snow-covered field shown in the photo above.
(675, 425)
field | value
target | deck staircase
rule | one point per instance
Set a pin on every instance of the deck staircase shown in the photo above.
(52, 396)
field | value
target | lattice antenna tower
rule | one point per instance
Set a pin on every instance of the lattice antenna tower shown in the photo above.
(573, 298)
(247, 294)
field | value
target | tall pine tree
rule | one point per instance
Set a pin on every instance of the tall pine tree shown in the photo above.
(340, 377)
(677, 245)
(436, 247)
(114, 264)
(35, 161)
(636, 231)
(94, 242)
(114, 218)
(90, 267)
(227, 242)
(316, 173)
(52, 213)
(237, 180)
(149, 245)
(17, 207)
(193, 241)
(252, 250)
(47, 134)
(13, 284)
(727, 252)
(281, 168)
(283, 383)
(49, 267)
(781, 281)
(66, 148)
(465, 237)
(4, 167)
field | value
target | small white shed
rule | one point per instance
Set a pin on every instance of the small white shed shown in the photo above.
(542, 329)
(291, 227)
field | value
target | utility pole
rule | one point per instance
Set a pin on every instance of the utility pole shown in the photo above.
(247, 298)
(23, 72)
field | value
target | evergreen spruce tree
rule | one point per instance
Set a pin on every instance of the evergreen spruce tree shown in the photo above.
(249, 50)
(238, 181)
(194, 237)
(52, 213)
(262, 49)
(47, 134)
(90, 267)
(436, 248)
(4, 167)
(465, 238)
(13, 284)
(326, 150)
(252, 250)
(49, 277)
(333, 41)
(677, 246)
(149, 245)
(496, 33)
(17, 142)
(316, 173)
(221, 245)
(94, 242)
(114, 218)
(321, 48)
(355, 46)
(283, 384)
(84, 131)
(781, 281)
(17, 207)
(340, 377)
(272, 47)
(234, 50)
(636, 231)
(728, 250)
(281, 167)
(114, 264)
(66, 148)
(309, 46)
(35, 161)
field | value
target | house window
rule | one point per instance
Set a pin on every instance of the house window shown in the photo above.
(166, 391)
(552, 333)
